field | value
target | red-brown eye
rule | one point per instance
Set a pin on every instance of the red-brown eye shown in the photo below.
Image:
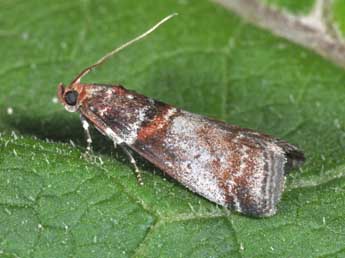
(71, 97)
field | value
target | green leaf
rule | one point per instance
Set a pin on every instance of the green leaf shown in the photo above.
(338, 10)
(55, 203)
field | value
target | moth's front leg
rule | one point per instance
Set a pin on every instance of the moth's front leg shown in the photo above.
(86, 127)
(106, 130)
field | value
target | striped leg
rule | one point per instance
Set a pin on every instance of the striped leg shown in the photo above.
(86, 127)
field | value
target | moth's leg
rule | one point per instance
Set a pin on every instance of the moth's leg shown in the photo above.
(86, 127)
(132, 160)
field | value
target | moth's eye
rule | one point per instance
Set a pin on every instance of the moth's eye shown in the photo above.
(71, 97)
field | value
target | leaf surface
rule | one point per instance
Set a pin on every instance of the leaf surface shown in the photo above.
(55, 203)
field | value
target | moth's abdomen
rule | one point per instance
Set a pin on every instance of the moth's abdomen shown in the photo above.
(228, 165)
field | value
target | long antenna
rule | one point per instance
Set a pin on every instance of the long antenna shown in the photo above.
(116, 50)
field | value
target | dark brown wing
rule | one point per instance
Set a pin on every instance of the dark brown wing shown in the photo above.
(226, 164)
(117, 112)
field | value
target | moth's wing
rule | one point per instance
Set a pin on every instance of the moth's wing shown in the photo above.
(295, 157)
(226, 164)
(117, 112)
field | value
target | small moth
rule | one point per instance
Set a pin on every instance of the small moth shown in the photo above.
(232, 166)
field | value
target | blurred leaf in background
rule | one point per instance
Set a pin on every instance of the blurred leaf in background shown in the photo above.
(53, 203)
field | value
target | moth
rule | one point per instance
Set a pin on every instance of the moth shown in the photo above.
(232, 166)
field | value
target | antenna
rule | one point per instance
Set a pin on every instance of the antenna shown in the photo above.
(116, 50)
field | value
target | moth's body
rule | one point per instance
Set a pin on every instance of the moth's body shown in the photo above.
(229, 165)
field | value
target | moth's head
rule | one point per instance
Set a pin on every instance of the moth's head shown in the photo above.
(70, 96)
